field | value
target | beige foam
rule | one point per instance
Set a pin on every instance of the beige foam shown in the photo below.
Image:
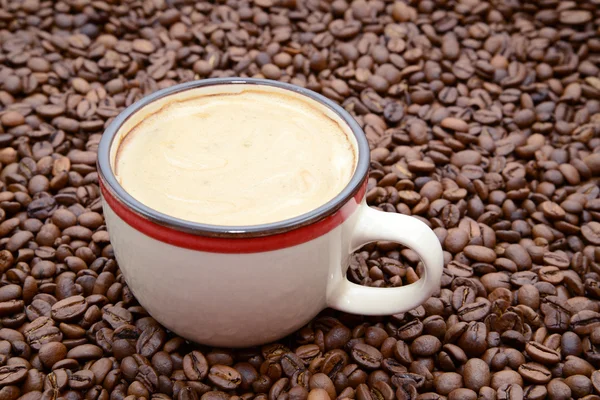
(235, 155)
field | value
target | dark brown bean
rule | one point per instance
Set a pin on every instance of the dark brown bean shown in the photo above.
(366, 356)
(195, 366)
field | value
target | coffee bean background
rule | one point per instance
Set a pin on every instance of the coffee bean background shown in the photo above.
(483, 119)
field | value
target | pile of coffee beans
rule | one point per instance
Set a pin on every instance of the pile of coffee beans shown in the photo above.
(483, 118)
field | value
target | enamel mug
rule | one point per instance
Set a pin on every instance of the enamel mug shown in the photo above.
(250, 285)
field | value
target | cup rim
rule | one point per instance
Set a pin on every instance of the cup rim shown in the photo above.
(109, 181)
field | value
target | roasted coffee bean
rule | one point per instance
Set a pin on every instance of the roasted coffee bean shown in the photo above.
(85, 352)
(224, 377)
(150, 341)
(535, 373)
(402, 353)
(279, 388)
(506, 377)
(585, 321)
(366, 356)
(42, 331)
(410, 330)
(337, 337)
(57, 379)
(319, 394)
(425, 345)
(322, 381)
(542, 354)
(447, 382)
(117, 316)
(596, 380)
(195, 366)
(81, 380)
(11, 374)
(476, 374)
(418, 381)
(510, 392)
(557, 389)
(247, 372)
(291, 363)
(69, 309)
(580, 385)
(52, 352)
(333, 362)
(577, 366)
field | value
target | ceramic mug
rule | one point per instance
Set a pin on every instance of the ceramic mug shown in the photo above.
(249, 285)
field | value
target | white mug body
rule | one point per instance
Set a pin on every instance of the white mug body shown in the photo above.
(230, 300)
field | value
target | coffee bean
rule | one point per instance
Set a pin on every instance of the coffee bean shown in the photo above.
(195, 366)
(318, 394)
(322, 381)
(117, 316)
(447, 382)
(580, 385)
(42, 331)
(291, 363)
(506, 377)
(510, 392)
(410, 330)
(18, 240)
(69, 309)
(480, 253)
(463, 70)
(596, 380)
(81, 380)
(574, 17)
(577, 366)
(425, 346)
(557, 389)
(150, 341)
(456, 240)
(474, 311)
(551, 274)
(101, 369)
(11, 374)
(224, 377)
(542, 354)
(85, 352)
(393, 112)
(535, 373)
(366, 356)
(476, 374)
(591, 232)
(10, 292)
(52, 352)
(585, 322)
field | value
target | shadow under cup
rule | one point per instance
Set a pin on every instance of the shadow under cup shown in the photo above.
(230, 285)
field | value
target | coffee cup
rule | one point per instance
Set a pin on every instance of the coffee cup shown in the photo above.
(234, 205)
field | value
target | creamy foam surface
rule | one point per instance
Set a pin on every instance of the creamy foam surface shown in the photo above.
(235, 155)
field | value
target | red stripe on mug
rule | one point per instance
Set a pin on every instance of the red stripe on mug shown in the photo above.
(232, 245)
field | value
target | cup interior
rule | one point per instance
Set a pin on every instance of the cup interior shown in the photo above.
(117, 132)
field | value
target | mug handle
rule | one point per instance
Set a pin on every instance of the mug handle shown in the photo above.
(372, 226)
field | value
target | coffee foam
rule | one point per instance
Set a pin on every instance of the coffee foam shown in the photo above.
(234, 155)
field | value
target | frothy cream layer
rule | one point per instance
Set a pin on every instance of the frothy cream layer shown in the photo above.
(235, 155)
